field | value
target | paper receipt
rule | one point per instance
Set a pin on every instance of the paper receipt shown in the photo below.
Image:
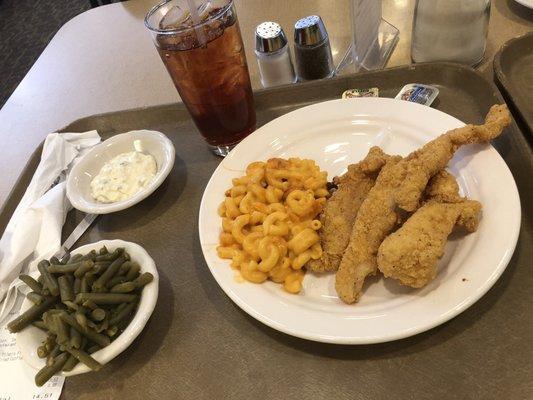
(17, 377)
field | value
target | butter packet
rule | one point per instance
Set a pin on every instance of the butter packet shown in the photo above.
(351, 93)
(418, 93)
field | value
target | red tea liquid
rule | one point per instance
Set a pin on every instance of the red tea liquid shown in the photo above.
(212, 79)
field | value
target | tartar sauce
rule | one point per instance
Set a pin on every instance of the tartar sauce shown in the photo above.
(123, 176)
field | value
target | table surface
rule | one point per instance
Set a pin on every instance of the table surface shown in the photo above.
(103, 60)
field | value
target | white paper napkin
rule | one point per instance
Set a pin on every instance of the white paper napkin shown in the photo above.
(34, 230)
(33, 233)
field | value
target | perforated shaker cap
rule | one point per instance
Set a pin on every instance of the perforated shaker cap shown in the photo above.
(269, 37)
(309, 31)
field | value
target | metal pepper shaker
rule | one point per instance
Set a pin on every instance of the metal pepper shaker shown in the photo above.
(312, 50)
(273, 55)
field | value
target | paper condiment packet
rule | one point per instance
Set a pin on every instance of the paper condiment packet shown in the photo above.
(418, 93)
(351, 93)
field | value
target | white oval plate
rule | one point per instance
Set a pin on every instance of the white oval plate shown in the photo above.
(31, 337)
(335, 134)
(79, 179)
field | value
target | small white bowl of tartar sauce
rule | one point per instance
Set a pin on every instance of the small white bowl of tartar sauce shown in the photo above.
(120, 172)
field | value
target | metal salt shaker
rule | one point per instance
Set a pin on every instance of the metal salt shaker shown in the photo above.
(273, 55)
(312, 50)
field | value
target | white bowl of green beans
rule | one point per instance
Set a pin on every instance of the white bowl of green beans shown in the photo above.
(30, 339)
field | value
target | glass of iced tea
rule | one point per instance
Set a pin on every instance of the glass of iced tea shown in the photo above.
(200, 44)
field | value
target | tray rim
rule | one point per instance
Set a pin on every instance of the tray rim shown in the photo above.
(503, 83)
(260, 92)
(309, 84)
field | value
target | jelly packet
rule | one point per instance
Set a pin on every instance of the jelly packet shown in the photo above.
(418, 93)
(351, 93)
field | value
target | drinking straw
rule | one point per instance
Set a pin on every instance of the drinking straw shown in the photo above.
(196, 19)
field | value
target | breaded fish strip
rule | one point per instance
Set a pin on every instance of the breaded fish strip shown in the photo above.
(422, 164)
(341, 208)
(402, 183)
(376, 218)
(443, 187)
(410, 254)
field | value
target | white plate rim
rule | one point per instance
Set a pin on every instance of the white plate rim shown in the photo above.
(350, 339)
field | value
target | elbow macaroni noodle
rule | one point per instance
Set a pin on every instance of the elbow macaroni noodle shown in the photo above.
(269, 225)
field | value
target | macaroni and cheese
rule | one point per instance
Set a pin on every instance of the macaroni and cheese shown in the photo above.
(269, 220)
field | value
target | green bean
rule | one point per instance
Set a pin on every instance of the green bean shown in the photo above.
(84, 286)
(115, 281)
(102, 326)
(63, 332)
(50, 370)
(32, 283)
(91, 277)
(54, 260)
(60, 307)
(42, 351)
(64, 269)
(53, 353)
(92, 335)
(90, 305)
(119, 308)
(103, 251)
(75, 258)
(75, 338)
(85, 358)
(70, 304)
(35, 298)
(124, 268)
(77, 285)
(70, 364)
(133, 272)
(93, 349)
(84, 267)
(111, 331)
(106, 298)
(50, 342)
(70, 278)
(65, 288)
(92, 324)
(33, 313)
(100, 283)
(46, 292)
(49, 280)
(40, 325)
(40, 280)
(90, 256)
(98, 314)
(143, 280)
(120, 316)
(100, 267)
(66, 258)
(81, 318)
(125, 287)
(110, 256)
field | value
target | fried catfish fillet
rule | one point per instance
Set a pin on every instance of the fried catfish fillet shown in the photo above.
(398, 187)
(410, 254)
(422, 164)
(341, 208)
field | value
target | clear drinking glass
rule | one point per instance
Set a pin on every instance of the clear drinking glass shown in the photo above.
(450, 30)
(204, 55)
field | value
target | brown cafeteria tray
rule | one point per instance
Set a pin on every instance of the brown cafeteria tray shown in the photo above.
(513, 73)
(199, 345)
